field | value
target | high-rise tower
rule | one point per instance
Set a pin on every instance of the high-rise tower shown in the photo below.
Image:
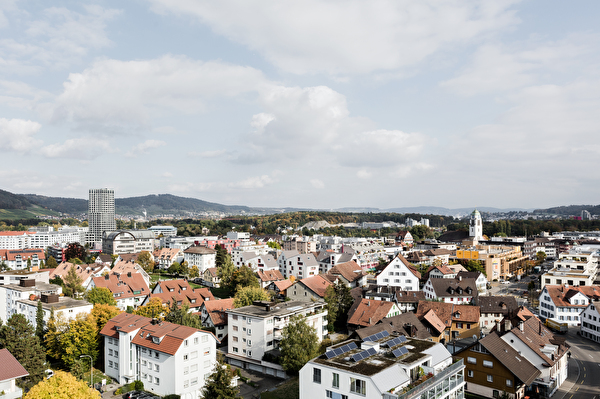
(101, 213)
(476, 226)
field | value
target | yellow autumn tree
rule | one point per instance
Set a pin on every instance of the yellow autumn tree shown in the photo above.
(154, 309)
(62, 386)
(103, 313)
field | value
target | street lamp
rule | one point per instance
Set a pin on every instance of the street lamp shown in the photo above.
(91, 370)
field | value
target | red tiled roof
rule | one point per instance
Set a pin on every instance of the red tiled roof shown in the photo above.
(10, 368)
(283, 285)
(270, 275)
(11, 254)
(435, 321)
(560, 295)
(447, 312)
(317, 284)
(15, 233)
(83, 271)
(216, 310)
(123, 285)
(182, 292)
(351, 271)
(369, 312)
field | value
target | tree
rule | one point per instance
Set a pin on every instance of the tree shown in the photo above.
(80, 338)
(184, 268)
(18, 336)
(75, 251)
(299, 344)
(339, 300)
(246, 295)
(218, 384)
(221, 256)
(40, 324)
(103, 313)
(99, 295)
(62, 386)
(243, 277)
(274, 245)
(153, 309)
(541, 257)
(225, 273)
(72, 283)
(181, 315)
(145, 261)
(175, 268)
(194, 272)
(58, 281)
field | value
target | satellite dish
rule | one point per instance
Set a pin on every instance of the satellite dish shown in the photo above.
(474, 337)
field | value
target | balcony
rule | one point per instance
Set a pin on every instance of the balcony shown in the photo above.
(18, 393)
(437, 386)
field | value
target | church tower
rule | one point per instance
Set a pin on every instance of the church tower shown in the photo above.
(476, 226)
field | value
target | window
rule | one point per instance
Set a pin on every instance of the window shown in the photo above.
(150, 365)
(205, 338)
(110, 352)
(496, 393)
(317, 375)
(235, 339)
(196, 340)
(490, 378)
(358, 386)
(471, 360)
(249, 332)
(509, 383)
(194, 368)
(156, 355)
(487, 363)
(235, 349)
(157, 380)
(194, 381)
(235, 328)
(336, 380)
(194, 354)
(249, 342)
(185, 343)
(249, 353)
(144, 363)
(470, 373)
(186, 370)
(156, 367)
(185, 357)
(110, 363)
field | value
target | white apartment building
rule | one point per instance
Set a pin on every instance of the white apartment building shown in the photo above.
(564, 304)
(459, 290)
(590, 322)
(165, 231)
(256, 329)
(127, 241)
(46, 236)
(383, 366)
(167, 358)
(293, 263)
(577, 267)
(202, 257)
(255, 262)
(238, 235)
(14, 276)
(399, 273)
(20, 259)
(15, 239)
(68, 307)
(10, 294)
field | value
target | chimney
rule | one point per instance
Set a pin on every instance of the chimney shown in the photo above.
(521, 327)
(459, 278)
(369, 321)
(128, 274)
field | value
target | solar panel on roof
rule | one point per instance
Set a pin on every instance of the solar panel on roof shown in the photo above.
(364, 354)
(392, 342)
(400, 351)
(330, 354)
(402, 338)
(352, 345)
(338, 351)
(385, 334)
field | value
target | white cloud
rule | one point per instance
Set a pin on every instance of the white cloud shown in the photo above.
(208, 154)
(117, 93)
(341, 37)
(143, 148)
(253, 182)
(18, 135)
(316, 183)
(504, 68)
(364, 174)
(83, 148)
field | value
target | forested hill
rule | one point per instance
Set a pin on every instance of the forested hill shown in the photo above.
(571, 210)
(13, 201)
(153, 204)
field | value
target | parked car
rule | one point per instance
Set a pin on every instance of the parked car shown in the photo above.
(505, 282)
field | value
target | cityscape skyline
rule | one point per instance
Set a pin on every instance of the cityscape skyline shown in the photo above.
(322, 105)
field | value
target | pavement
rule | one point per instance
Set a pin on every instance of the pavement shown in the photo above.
(263, 382)
(573, 377)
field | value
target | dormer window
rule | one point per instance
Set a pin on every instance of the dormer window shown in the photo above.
(171, 289)
(457, 315)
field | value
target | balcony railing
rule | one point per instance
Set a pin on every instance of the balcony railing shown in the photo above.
(443, 382)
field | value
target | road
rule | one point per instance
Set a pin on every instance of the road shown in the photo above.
(584, 369)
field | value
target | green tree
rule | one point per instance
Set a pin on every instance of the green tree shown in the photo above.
(339, 300)
(62, 386)
(75, 251)
(175, 268)
(274, 245)
(226, 272)
(184, 268)
(218, 384)
(40, 324)
(221, 256)
(243, 276)
(145, 261)
(18, 336)
(153, 308)
(58, 281)
(194, 272)
(72, 283)
(299, 343)
(246, 295)
(99, 295)
(181, 315)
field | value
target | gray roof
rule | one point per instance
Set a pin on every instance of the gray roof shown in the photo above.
(497, 304)
(449, 287)
(510, 358)
(438, 353)
(390, 378)
(276, 309)
(64, 302)
(199, 250)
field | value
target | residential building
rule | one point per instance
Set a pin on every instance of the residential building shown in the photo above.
(564, 304)
(441, 271)
(14, 276)
(407, 324)
(10, 371)
(494, 309)
(127, 241)
(575, 267)
(165, 231)
(66, 306)
(201, 257)
(499, 261)
(205, 241)
(127, 289)
(210, 277)
(369, 312)
(385, 366)
(124, 267)
(168, 358)
(213, 314)
(84, 272)
(459, 290)
(279, 289)
(327, 259)
(399, 273)
(493, 366)
(537, 344)
(21, 259)
(407, 301)
(181, 292)
(266, 277)
(10, 294)
(293, 263)
(448, 321)
(349, 273)
(590, 322)
(405, 239)
(303, 245)
(165, 257)
(15, 239)
(101, 214)
(308, 289)
(481, 280)
(256, 329)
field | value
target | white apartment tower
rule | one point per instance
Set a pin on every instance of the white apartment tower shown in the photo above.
(101, 213)
(476, 226)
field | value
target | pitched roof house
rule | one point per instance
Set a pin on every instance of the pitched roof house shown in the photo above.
(370, 312)
(350, 273)
(182, 292)
(10, 370)
(449, 321)
(459, 290)
(127, 289)
(309, 288)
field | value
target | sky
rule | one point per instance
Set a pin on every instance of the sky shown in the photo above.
(318, 104)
